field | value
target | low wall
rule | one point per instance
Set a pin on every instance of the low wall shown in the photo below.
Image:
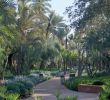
(89, 88)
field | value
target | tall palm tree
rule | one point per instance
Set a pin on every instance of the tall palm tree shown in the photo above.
(56, 26)
(41, 6)
(7, 9)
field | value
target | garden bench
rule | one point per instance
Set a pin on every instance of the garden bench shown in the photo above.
(89, 88)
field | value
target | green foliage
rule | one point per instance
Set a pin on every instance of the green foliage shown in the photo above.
(104, 81)
(20, 87)
(70, 98)
(98, 83)
(23, 85)
(38, 98)
(12, 96)
(7, 96)
(23, 89)
(12, 88)
(3, 90)
(58, 94)
(72, 84)
(100, 74)
(103, 96)
(23, 35)
(90, 20)
(28, 86)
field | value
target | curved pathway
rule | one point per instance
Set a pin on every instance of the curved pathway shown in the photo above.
(48, 89)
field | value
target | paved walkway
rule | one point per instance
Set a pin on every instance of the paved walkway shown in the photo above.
(48, 89)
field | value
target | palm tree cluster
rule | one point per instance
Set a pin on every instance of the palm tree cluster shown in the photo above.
(30, 35)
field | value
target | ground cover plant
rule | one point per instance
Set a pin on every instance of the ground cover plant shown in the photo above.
(23, 85)
(4, 95)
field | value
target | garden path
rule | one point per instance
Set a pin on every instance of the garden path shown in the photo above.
(47, 91)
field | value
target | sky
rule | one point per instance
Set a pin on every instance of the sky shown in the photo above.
(60, 5)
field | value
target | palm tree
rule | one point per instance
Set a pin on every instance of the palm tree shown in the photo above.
(56, 26)
(7, 10)
(41, 6)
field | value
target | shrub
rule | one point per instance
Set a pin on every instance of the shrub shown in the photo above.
(12, 88)
(104, 96)
(38, 98)
(7, 96)
(23, 85)
(17, 87)
(100, 74)
(28, 86)
(12, 97)
(3, 90)
(98, 83)
(33, 79)
(1, 98)
(23, 90)
(72, 84)
(70, 98)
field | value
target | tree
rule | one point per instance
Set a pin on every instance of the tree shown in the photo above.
(8, 33)
(91, 22)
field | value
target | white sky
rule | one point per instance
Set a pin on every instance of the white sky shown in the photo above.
(60, 5)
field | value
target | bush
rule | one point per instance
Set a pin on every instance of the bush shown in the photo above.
(12, 97)
(104, 96)
(7, 96)
(28, 86)
(98, 83)
(17, 87)
(23, 85)
(70, 98)
(72, 84)
(23, 90)
(12, 88)
(1, 98)
(3, 90)
(100, 74)
(33, 79)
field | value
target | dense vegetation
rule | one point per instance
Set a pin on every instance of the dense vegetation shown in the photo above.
(34, 37)
(91, 21)
(103, 81)
(17, 87)
(31, 37)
